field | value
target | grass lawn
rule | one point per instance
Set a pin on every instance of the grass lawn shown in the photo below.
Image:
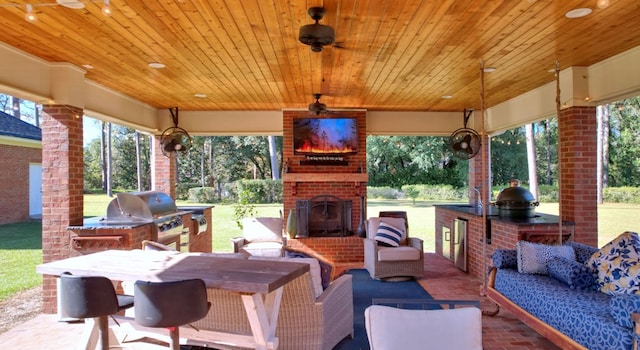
(20, 252)
(21, 244)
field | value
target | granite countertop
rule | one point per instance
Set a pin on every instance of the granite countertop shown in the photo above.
(99, 222)
(492, 214)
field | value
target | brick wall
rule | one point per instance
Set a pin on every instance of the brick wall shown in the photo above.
(504, 235)
(577, 127)
(163, 170)
(337, 249)
(14, 187)
(62, 187)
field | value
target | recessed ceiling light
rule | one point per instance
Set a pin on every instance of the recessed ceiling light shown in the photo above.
(489, 69)
(88, 66)
(72, 4)
(577, 13)
(157, 65)
(200, 95)
(447, 96)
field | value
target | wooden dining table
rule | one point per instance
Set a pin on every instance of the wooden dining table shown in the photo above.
(258, 282)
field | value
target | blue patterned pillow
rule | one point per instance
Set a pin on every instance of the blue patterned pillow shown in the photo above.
(533, 257)
(572, 273)
(618, 265)
(505, 259)
(583, 251)
(622, 306)
(388, 235)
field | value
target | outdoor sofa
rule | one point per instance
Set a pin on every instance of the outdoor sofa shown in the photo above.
(311, 316)
(565, 302)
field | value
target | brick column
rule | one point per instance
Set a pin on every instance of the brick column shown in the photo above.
(163, 170)
(62, 187)
(577, 128)
(476, 178)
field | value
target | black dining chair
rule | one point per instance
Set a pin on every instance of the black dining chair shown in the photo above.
(92, 297)
(170, 305)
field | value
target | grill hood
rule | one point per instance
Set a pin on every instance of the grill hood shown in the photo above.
(146, 206)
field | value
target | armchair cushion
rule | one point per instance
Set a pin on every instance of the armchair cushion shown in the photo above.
(262, 229)
(272, 249)
(405, 253)
(388, 235)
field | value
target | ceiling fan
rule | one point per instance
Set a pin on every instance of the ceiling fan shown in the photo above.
(175, 140)
(318, 107)
(465, 142)
(316, 35)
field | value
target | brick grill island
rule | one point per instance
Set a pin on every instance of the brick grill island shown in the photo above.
(503, 233)
(152, 215)
(347, 181)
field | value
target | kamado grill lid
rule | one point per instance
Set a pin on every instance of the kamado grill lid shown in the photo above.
(514, 196)
(140, 206)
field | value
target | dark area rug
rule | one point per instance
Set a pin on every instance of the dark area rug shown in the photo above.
(364, 290)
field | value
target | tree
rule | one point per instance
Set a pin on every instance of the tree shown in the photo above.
(403, 160)
(624, 145)
(531, 160)
(509, 156)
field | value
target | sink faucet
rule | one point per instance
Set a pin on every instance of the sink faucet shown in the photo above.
(479, 202)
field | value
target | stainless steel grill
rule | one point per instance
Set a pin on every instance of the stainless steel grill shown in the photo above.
(147, 207)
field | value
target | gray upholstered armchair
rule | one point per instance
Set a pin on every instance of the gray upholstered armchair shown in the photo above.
(384, 262)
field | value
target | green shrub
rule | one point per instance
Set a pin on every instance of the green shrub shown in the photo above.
(383, 193)
(621, 195)
(260, 191)
(202, 195)
(245, 208)
(182, 190)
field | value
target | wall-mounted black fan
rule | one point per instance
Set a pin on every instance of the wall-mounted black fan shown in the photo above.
(175, 140)
(465, 142)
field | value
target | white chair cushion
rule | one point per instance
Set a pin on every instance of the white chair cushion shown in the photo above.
(268, 249)
(262, 229)
(403, 253)
(389, 328)
(314, 270)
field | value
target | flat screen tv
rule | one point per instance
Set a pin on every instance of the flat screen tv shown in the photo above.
(325, 136)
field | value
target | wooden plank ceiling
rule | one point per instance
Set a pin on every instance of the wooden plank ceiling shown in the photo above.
(390, 55)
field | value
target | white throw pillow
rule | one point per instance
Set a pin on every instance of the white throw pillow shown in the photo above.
(533, 257)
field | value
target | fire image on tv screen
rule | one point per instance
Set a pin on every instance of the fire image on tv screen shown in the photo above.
(325, 136)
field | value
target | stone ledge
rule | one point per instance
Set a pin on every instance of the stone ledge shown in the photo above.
(325, 177)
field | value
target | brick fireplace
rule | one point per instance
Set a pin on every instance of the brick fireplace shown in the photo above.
(305, 179)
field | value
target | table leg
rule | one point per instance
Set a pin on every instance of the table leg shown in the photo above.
(262, 312)
(89, 338)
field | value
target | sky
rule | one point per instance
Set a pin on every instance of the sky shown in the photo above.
(91, 129)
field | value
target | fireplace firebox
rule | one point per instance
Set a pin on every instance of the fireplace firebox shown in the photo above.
(324, 216)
